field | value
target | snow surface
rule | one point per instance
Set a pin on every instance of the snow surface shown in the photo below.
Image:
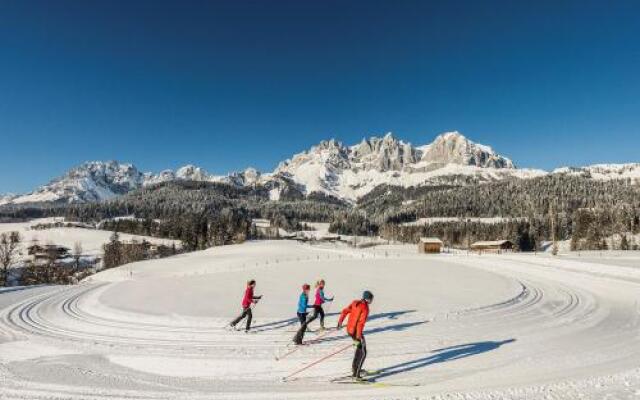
(457, 326)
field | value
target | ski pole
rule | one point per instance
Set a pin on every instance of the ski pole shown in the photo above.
(306, 367)
(314, 340)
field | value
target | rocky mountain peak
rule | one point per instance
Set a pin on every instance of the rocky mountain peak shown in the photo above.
(455, 148)
(383, 154)
(192, 173)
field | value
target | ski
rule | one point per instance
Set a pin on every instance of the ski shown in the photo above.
(364, 374)
(372, 383)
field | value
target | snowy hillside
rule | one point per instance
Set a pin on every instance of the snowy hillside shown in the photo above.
(330, 167)
(91, 240)
(604, 171)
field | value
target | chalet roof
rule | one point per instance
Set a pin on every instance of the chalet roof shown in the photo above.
(262, 223)
(490, 243)
(430, 240)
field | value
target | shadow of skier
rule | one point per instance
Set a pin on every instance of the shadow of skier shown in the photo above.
(275, 325)
(271, 326)
(442, 355)
(389, 315)
(394, 327)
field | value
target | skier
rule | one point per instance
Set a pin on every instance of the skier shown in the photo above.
(358, 312)
(318, 302)
(248, 300)
(318, 311)
(303, 304)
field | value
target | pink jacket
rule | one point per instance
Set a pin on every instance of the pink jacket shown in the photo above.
(320, 299)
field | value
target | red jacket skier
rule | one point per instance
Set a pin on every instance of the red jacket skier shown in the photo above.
(358, 312)
(247, 300)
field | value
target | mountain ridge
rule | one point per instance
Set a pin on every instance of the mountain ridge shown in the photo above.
(329, 167)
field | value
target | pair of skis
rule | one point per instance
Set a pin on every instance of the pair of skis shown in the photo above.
(372, 383)
(368, 380)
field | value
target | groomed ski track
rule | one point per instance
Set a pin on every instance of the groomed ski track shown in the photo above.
(444, 326)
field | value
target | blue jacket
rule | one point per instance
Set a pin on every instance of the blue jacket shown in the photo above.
(303, 303)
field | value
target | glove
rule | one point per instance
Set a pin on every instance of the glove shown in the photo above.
(356, 343)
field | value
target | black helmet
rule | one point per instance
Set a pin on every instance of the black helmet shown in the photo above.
(367, 295)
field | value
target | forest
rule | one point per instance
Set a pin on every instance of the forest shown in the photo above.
(530, 212)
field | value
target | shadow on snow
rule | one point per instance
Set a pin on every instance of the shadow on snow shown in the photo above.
(271, 326)
(443, 355)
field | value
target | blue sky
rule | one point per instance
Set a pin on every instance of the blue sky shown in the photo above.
(226, 85)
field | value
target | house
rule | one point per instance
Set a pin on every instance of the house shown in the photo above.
(265, 229)
(48, 252)
(430, 245)
(493, 246)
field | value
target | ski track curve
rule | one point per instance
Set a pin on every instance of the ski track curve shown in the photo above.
(565, 332)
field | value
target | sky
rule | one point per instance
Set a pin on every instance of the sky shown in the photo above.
(227, 85)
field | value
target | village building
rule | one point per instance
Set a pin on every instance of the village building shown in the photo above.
(265, 229)
(430, 245)
(493, 246)
(47, 253)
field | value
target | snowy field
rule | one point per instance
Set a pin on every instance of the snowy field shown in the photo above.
(91, 239)
(441, 327)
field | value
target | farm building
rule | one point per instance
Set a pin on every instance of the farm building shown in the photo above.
(43, 254)
(265, 229)
(430, 245)
(493, 246)
(48, 251)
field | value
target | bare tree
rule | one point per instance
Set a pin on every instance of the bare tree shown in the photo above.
(9, 247)
(77, 254)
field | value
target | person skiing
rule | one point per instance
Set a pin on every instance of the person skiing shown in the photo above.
(358, 312)
(303, 304)
(318, 311)
(320, 299)
(247, 301)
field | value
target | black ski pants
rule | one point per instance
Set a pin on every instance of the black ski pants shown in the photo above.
(246, 312)
(359, 357)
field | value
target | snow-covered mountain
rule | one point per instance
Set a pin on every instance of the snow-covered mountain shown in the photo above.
(97, 181)
(91, 181)
(330, 167)
(186, 173)
(604, 171)
(351, 172)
